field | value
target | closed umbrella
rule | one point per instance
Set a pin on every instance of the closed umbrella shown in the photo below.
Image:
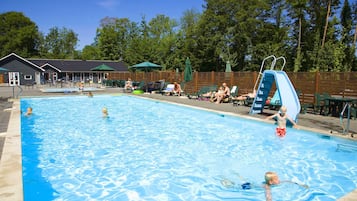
(228, 70)
(188, 71)
(228, 67)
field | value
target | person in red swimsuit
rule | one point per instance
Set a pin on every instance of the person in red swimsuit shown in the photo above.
(281, 118)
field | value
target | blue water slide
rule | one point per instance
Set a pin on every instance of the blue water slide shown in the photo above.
(286, 91)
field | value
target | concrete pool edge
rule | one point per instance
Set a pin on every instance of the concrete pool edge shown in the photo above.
(11, 188)
(11, 183)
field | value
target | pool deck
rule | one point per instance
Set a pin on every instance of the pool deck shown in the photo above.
(10, 135)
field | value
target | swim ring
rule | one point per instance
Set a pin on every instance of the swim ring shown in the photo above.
(138, 91)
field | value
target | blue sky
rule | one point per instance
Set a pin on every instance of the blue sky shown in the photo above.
(83, 16)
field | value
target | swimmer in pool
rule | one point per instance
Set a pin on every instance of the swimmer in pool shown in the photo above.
(270, 179)
(282, 118)
(105, 112)
(29, 111)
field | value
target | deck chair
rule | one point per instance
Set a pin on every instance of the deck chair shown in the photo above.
(168, 89)
(250, 99)
(208, 95)
(140, 85)
(354, 110)
(321, 104)
(203, 90)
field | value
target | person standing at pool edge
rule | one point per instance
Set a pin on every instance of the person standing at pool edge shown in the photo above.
(281, 118)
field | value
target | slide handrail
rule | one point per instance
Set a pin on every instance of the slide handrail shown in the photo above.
(284, 62)
(262, 66)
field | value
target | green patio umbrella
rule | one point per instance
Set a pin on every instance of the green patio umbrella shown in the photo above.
(102, 67)
(228, 67)
(146, 66)
(187, 76)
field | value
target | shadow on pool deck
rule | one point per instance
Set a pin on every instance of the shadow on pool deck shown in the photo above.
(322, 124)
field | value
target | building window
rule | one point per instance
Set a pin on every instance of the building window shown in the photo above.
(28, 77)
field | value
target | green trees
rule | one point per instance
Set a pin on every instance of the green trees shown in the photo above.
(311, 35)
(18, 34)
(59, 44)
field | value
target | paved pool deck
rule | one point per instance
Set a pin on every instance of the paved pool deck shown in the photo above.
(10, 135)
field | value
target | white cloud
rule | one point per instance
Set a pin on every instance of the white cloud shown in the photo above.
(109, 4)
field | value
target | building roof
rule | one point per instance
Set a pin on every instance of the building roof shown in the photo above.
(64, 65)
(14, 56)
(78, 65)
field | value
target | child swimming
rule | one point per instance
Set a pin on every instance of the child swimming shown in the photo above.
(105, 112)
(29, 111)
(270, 179)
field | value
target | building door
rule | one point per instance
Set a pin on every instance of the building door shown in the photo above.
(38, 77)
(14, 78)
(54, 77)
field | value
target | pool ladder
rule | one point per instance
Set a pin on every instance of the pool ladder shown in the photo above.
(19, 93)
(346, 129)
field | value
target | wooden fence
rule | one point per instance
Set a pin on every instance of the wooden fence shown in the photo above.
(307, 83)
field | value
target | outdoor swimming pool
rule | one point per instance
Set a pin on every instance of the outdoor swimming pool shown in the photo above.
(150, 150)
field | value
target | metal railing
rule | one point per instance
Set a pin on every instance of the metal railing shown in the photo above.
(262, 69)
(18, 93)
(346, 130)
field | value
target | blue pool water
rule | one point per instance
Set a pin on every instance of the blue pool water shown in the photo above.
(150, 150)
(69, 90)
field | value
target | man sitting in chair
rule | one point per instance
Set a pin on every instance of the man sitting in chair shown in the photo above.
(177, 89)
(173, 89)
(224, 94)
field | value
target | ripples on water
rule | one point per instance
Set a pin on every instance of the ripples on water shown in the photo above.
(149, 150)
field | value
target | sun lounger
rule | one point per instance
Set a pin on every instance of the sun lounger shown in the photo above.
(275, 102)
(203, 90)
(168, 90)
